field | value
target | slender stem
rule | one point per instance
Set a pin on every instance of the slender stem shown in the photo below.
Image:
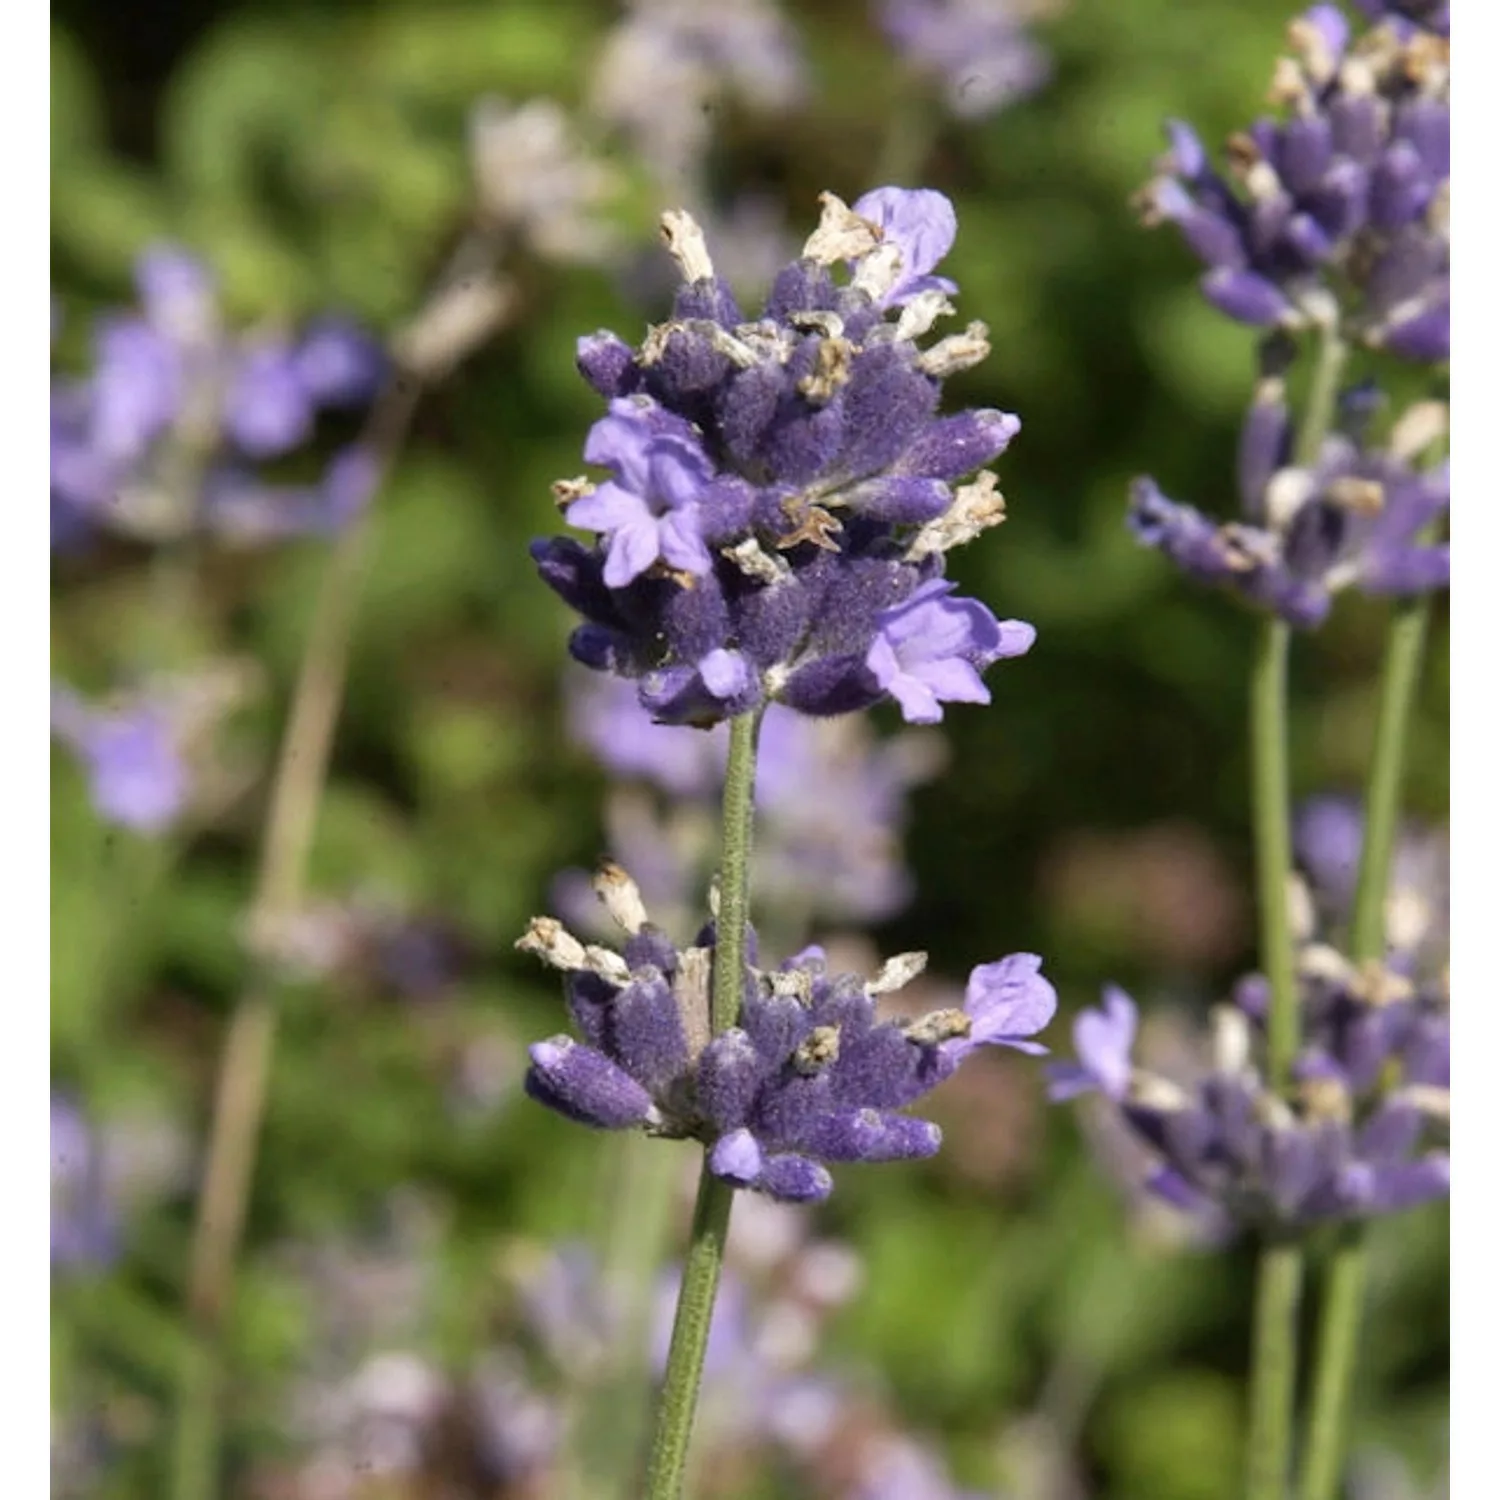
(734, 872)
(245, 1062)
(1343, 1296)
(1273, 1371)
(1271, 798)
(667, 1466)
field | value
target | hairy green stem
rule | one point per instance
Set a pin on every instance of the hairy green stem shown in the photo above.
(1343, 1293)
(667, 1466)
(245, 1060)
(1273, 1371)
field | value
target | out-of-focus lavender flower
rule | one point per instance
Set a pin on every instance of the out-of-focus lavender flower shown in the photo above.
(898, 1467)
(1103, 1041)
(1339, 212)
(830, 803)
(165, 434)
(1328, 834)
(1364, 1135)
(535, 180)
(783, 490)
(979, 51)
(101, 1170)
(85, 1217)
(809, 1075)
(669, 63)
(1361, 517)
(146, 753)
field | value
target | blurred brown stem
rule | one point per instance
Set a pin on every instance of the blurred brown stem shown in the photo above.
(245, 1063)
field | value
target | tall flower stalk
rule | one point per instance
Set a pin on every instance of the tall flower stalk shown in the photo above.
(1344, 1282)
(781, 500)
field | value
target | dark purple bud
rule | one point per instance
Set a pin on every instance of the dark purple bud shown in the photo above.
(590, 999)
(901, 501)
(1358, 129)
(607, 362)
(696, 620)
(650, 946)
(1306, 152)
(887, 403)
(604, 650)
(709, 299)
(729, 1072)
(1308, 240)
(1426, 123)
(803, 286)
(772, 620)
(868, 1135)
(885, 1069)
(1400, 188)
(1265, 446)
(795, 1179)
(646, 1031)
(1423, 336)
(725, 508)
(831, 685)
(1411, 1184)
(950, 447)
(802, 439)
(1246, 297)
(586, 1086)
(576, 574)
(1390, 1134)
(747, 407)
(776, 1025)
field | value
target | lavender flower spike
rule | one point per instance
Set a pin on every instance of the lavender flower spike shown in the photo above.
(782, 485)
(809, 1076)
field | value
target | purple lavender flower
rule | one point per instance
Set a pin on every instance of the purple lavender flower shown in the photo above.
(1364, 1135)
(1103, 1040)
(783, 490)
(1339, 212)
(1363, 516)
(978, 50)
(928, 650)
(176, 414)
(808, 1076)
(138, 776)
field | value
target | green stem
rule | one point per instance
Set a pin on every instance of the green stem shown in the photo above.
(1343, 1297)
(678, 1402)
(1273, 1371)
(1271, 794)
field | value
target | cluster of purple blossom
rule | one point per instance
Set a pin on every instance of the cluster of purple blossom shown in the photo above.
(1339, 213)
(808, 1076)
(163, 436)
(830, 805)
(782, 491)
(1342, 228)
(1364, 1132)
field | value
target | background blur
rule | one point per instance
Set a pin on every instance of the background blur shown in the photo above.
(1012, 1308)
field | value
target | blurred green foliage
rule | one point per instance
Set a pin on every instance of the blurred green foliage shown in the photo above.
(315, 154)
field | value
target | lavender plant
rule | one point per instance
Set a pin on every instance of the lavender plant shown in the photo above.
(1327, 1097)
(782, 497)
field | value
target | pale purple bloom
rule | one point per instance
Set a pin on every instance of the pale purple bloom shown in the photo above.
(1103, 1040)
(649, 511)
(1006, 1003)
(979, 50)
(922, 226)
(928, 650)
